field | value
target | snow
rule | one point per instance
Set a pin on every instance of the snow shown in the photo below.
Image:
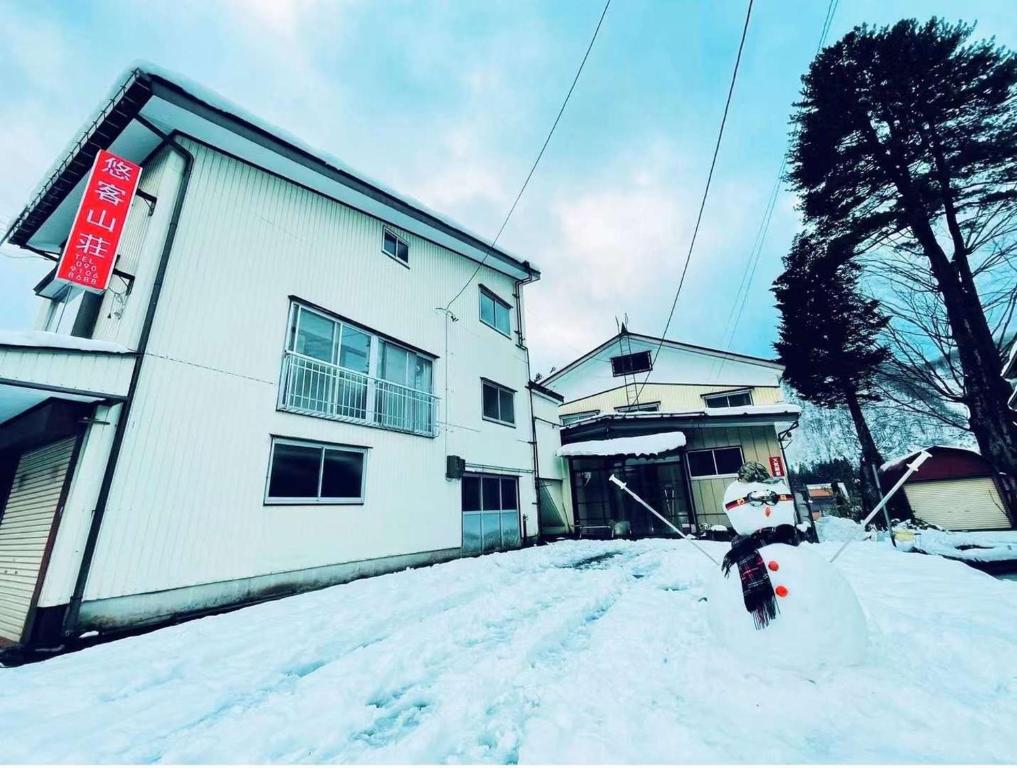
(973, 546)
(58, 341)
(579, 651)
(833, 528)
(643, 445)
(819, 623)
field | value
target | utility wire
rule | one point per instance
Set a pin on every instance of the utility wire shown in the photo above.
(536, 162)
(706, 194)
(741, 297)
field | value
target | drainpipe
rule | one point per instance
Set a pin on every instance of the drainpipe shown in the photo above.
(517, 295)
(74, 607)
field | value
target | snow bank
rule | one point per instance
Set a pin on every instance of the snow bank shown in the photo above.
(974, 546)
(643, 445)
(58, 341)
(575, 652)
(838, 529)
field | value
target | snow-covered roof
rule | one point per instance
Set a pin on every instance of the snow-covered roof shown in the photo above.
(172, 102)
(58, 341)
(643, 445)
(900, 461)
(781, 409)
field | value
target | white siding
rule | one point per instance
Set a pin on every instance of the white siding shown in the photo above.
(98, 372)
(186, 504)
(672, 366)
(958, 505)
(25, 528)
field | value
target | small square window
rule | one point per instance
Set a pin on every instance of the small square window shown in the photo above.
(701, 464)
(715, 462)
(396, 247)
(495, 313)
(498, 403)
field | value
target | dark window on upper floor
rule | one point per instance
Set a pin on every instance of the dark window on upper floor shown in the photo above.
(636, 362)
(395, 247)
(499, 403)
(495, 312)
(729, 400)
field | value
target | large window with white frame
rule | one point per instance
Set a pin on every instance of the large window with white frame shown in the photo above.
(715, 462)
(305, 472)
(495, 312)
(335, 369)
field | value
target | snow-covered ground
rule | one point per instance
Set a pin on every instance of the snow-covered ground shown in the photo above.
(580, 651)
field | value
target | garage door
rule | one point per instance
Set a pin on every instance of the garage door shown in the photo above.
(25, 528)
(958, 505)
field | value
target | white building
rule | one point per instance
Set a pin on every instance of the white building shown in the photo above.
(675, 421)
(267, 397)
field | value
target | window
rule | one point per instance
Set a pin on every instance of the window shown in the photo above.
(499, 403)
(315, 473)
(715, 462)
(572, 418)
(729, 400)
(336, 370)
(495, 312)
(638, 408)
(490, 513)
(395, 247)
(637, 362)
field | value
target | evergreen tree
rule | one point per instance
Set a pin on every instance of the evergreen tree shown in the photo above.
(907, 141)
(828, 341)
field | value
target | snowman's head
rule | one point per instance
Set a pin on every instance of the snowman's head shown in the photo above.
(751, 506)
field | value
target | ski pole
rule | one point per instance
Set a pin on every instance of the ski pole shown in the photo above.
(663, 519)
(916, 462)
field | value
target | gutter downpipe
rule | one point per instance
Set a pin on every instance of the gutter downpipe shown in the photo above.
(70, 623)
(533, 419)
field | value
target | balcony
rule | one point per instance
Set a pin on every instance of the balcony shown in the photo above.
(315, 388)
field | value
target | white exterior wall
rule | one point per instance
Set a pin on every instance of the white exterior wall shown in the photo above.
(672, 366)
(186, 506)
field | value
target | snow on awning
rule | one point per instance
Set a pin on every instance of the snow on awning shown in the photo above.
(48, 340)
(643, 445)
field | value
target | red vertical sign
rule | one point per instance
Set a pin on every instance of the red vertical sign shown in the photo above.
(777, 466)
(91, 248)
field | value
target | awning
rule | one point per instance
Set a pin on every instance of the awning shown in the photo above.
(643, 445)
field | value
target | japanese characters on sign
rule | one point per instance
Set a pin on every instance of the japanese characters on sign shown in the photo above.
(777, 466)
(91, 247)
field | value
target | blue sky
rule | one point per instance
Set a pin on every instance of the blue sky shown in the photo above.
(450, 101)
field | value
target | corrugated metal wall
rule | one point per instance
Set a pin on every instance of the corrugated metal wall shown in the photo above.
(25, 524)
(967, 504)
(757, 444)
(186, 505)
(103, 373)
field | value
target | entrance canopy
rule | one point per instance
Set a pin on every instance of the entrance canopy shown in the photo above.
(643, 445)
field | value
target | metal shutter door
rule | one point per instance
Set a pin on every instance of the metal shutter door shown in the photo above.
(25, 527)
(958, 505)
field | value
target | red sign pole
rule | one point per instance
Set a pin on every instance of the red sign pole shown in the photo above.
(91, 249)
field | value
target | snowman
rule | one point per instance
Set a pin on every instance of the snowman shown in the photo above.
(773, 599)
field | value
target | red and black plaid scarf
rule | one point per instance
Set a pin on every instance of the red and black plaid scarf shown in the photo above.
(757, 591)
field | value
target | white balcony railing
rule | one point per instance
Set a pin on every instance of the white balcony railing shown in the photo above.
(316, 388)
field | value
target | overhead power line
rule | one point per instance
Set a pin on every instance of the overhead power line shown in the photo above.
(742, 295)
(706, 194)
(536, 162)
